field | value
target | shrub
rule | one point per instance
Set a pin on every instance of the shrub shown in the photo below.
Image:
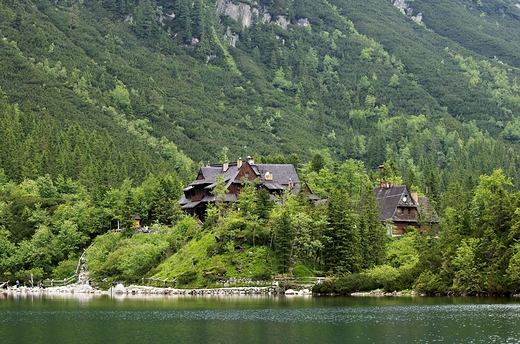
(215, 273)
(326, 287)
(384, 276)
(65, 268)
(429, 283)
(355, 283)
(25, 275)
(215, 249)
(301, 270)
(264, 275)
(187, 278)
(347, 284)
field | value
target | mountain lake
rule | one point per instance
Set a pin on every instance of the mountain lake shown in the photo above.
(75, 318)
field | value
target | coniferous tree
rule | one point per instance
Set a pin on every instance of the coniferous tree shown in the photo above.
(185, 22)
(197, 18)
(317, 163)
(283, 238)
(376, 150)
(264, 205)
(10, 134)
(164, 204)
(144, 16)
(372, 232)
(342, 237)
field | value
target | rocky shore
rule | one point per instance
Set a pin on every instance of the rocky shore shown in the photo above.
(382, 293)
(69, 289)
(145, 290)
(270, 290)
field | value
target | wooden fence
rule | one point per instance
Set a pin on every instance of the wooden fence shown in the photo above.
(59, 282)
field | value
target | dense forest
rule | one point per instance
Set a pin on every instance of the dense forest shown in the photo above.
(107, 108)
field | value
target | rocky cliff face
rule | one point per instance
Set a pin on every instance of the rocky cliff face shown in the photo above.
(406, 9)
(246, 13)
(241, 11)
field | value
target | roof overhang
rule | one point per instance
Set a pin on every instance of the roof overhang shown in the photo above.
(191, 205)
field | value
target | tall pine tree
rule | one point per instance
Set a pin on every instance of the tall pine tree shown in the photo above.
(342, 246)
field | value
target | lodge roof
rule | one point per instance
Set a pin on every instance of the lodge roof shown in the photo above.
(281, 175)
(390, 197)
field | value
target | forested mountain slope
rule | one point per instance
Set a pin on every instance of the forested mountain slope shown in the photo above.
(108, 107)
(114, 89)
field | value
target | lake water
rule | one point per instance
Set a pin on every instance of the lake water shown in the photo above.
(257, 319)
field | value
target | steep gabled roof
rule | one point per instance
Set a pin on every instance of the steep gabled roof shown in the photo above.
(210, 173)
(282, 175)
(389, 198)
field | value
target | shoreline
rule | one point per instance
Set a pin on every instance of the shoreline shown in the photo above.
(119, 291)
(85, 289)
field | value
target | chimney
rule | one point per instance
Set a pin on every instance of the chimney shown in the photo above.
(239, 163)
(381, 180)
(291, 184)
(225, 166)
(207, 163)
(250, 160)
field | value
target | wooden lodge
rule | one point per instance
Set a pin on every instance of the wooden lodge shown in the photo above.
(275, 178)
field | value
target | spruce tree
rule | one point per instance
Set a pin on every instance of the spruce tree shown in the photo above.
(342, 237)
(283, 241)
(372, 232)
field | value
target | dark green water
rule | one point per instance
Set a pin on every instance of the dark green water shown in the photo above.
(244, 319)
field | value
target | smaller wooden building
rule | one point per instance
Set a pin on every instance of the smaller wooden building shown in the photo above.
(400, 208)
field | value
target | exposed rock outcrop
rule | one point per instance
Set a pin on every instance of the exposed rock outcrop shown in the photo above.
(163, 18)
(303, 22)
(266, 18)
(238, 12)
(406, 9)
(283, 22)
(246, 13)
(129, 18)
(231, 37)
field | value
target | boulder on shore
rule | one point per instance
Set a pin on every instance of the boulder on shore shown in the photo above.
(119, 289)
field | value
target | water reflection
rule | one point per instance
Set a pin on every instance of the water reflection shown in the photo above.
(257, 319)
